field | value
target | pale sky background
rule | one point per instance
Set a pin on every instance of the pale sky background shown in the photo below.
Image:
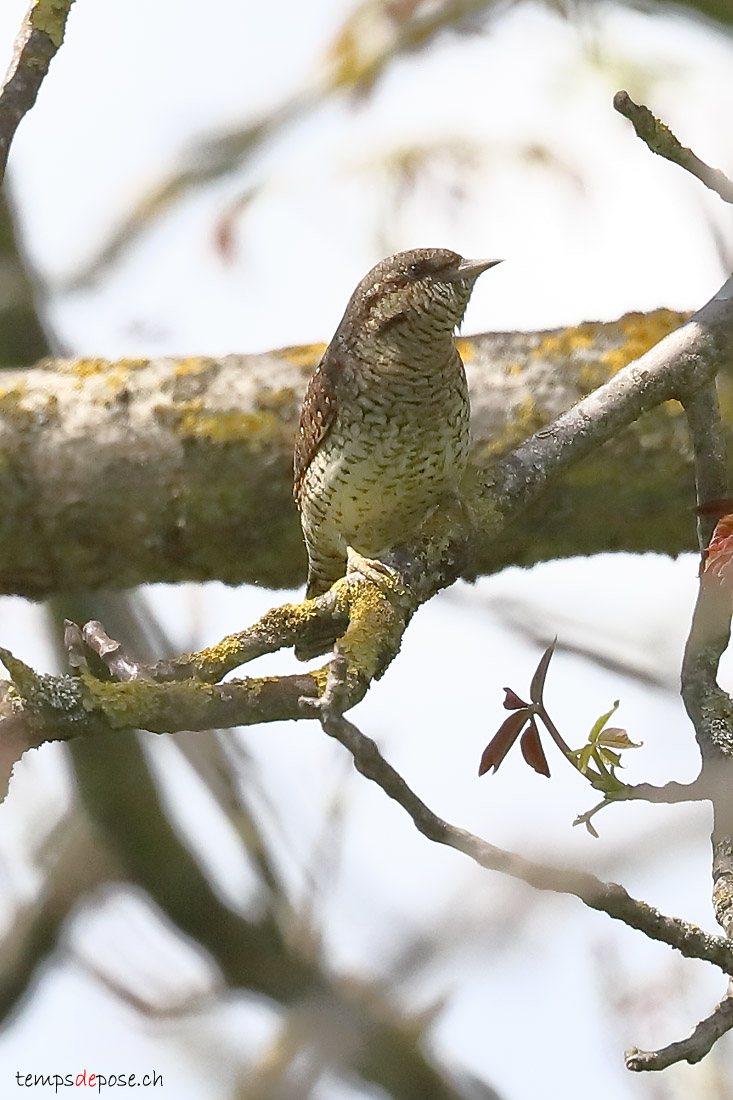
(611, 228)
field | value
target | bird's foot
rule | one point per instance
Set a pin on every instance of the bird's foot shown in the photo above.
(371, 569)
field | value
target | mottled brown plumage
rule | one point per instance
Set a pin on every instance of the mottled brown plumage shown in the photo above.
(384, 430)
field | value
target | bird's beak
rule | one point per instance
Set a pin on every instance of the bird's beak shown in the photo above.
(471, 269)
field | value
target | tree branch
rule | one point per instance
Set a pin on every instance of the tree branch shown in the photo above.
(693, 1049)
(377, 609)
(709, 707)
(39, 39)
(116, 474)
(711, 711)
(22, 338)
(607, 897)
(75, 865)
(677, 366)
(265, 949)
(660, 139)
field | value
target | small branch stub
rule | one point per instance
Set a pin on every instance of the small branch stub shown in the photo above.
(660, 139)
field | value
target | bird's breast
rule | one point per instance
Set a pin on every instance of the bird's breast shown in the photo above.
(386, 462)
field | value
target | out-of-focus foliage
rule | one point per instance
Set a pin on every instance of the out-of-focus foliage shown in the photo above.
(719, 10)
(375, 34)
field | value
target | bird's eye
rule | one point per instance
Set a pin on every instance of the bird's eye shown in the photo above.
(417, 270)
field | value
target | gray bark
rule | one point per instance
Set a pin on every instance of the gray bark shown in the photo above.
(119, 473)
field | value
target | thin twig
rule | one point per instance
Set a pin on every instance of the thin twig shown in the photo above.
(711, 459)
(38, 41)
(110, 651)
(669, 794)
(607, 897)
(693, 1049)
(660, 139)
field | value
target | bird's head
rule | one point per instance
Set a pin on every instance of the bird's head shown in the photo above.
(422, 292)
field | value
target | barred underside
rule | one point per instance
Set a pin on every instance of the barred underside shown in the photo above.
(392, 453)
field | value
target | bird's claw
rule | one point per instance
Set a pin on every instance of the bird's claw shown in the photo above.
(333, 702)
(371, 568)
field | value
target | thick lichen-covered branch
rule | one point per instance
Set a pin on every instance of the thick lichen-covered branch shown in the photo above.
(62, 708)
(120, 693)
(369, 611)
(369, 618)
(120, 473)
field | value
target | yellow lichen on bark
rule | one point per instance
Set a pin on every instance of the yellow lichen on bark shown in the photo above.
(568, 342)
(642, 331)
(195, 365)
(302, 355)
(466, 348)
(90, 368)
(194, 420)
(525, 419)
(377, 622)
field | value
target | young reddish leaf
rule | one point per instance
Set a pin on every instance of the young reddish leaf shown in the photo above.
(532, 750)
(512, 700)
(538, 680)
(718, 558)
(225, 227)
(614, 738)
(502, 741)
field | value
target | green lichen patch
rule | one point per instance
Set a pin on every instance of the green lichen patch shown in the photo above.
(53, 704)
(50, 16)
(279, 628)
(140, 703)
(25, 679)
(19, 411)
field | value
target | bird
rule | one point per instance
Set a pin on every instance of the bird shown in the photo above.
(383, 435)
